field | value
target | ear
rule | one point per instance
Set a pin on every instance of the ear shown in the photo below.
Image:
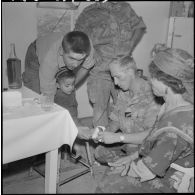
(61, 51)
(131, 72)
(190, 62)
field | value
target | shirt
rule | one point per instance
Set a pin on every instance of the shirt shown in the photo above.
(47, 50)
(137, 113)
(118, 26)
(67, 101)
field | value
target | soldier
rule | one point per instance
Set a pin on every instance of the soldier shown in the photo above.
(114, 29)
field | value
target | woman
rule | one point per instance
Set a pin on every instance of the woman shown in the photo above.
(170, 143)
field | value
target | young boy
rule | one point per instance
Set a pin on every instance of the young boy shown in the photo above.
(65, 95)
(55, 50)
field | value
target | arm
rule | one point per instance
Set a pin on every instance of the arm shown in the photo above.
(133, 138)
(81, 74)
(47, 73)
(137, 35)
(47, 50)
(138, 29)
(124, 162)
(85, 67)
(166, 149)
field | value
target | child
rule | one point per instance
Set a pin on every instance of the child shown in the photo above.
(65, 95)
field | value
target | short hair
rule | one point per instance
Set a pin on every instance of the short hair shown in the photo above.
(64, 74)
(125, 62)
(77, 42)
(172, 82)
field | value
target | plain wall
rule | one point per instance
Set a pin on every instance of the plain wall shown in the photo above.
(19, 26)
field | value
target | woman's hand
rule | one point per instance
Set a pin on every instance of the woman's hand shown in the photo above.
(124, 162)
(108, 137)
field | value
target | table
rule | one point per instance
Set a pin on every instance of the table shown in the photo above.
(28, 131)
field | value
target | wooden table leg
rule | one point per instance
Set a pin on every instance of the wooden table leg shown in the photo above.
(58, 172)
(51, 170)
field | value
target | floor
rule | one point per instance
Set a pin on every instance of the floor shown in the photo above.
(16, 178)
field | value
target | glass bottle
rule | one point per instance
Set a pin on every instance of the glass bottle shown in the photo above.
(14, 69)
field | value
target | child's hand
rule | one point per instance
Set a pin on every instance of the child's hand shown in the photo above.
(84, 133)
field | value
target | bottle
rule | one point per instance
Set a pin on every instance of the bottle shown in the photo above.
(14, 69)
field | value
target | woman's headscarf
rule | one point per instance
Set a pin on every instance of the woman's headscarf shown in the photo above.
(177, 63)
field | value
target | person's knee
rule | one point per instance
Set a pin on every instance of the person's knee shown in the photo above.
(99, 151)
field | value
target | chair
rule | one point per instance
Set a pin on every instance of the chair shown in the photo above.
(78, 158)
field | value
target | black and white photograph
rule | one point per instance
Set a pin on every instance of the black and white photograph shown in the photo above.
(97, 97)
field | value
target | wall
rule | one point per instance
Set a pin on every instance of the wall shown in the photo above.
(155, 16)
(19, 26)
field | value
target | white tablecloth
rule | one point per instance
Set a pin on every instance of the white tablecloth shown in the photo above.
(28, 130)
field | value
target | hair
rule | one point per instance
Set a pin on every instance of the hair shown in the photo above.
(64, 74)
(125, 62)
(172, 82)
(77, 42)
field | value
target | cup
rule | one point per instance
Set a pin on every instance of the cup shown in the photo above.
(47, 101)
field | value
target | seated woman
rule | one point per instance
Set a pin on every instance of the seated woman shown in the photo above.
(169, 145)
(135, 111)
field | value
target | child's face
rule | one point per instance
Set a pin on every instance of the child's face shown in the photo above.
(67, 85)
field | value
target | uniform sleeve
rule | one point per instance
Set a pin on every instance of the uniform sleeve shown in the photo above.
(89, 61)
(114, 114)
(151, 108)
(164, 152)
(150, 115)
(47, 71)
(136, 21)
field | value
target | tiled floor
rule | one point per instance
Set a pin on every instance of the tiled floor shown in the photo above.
(17, 181)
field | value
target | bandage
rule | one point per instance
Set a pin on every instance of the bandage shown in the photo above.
(97, 130)
(188, 174)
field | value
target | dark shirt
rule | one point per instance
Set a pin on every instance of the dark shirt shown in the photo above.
(67, 101)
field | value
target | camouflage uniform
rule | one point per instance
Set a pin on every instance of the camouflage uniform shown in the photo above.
(135, 113)
(132, 113)
(110, 26)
